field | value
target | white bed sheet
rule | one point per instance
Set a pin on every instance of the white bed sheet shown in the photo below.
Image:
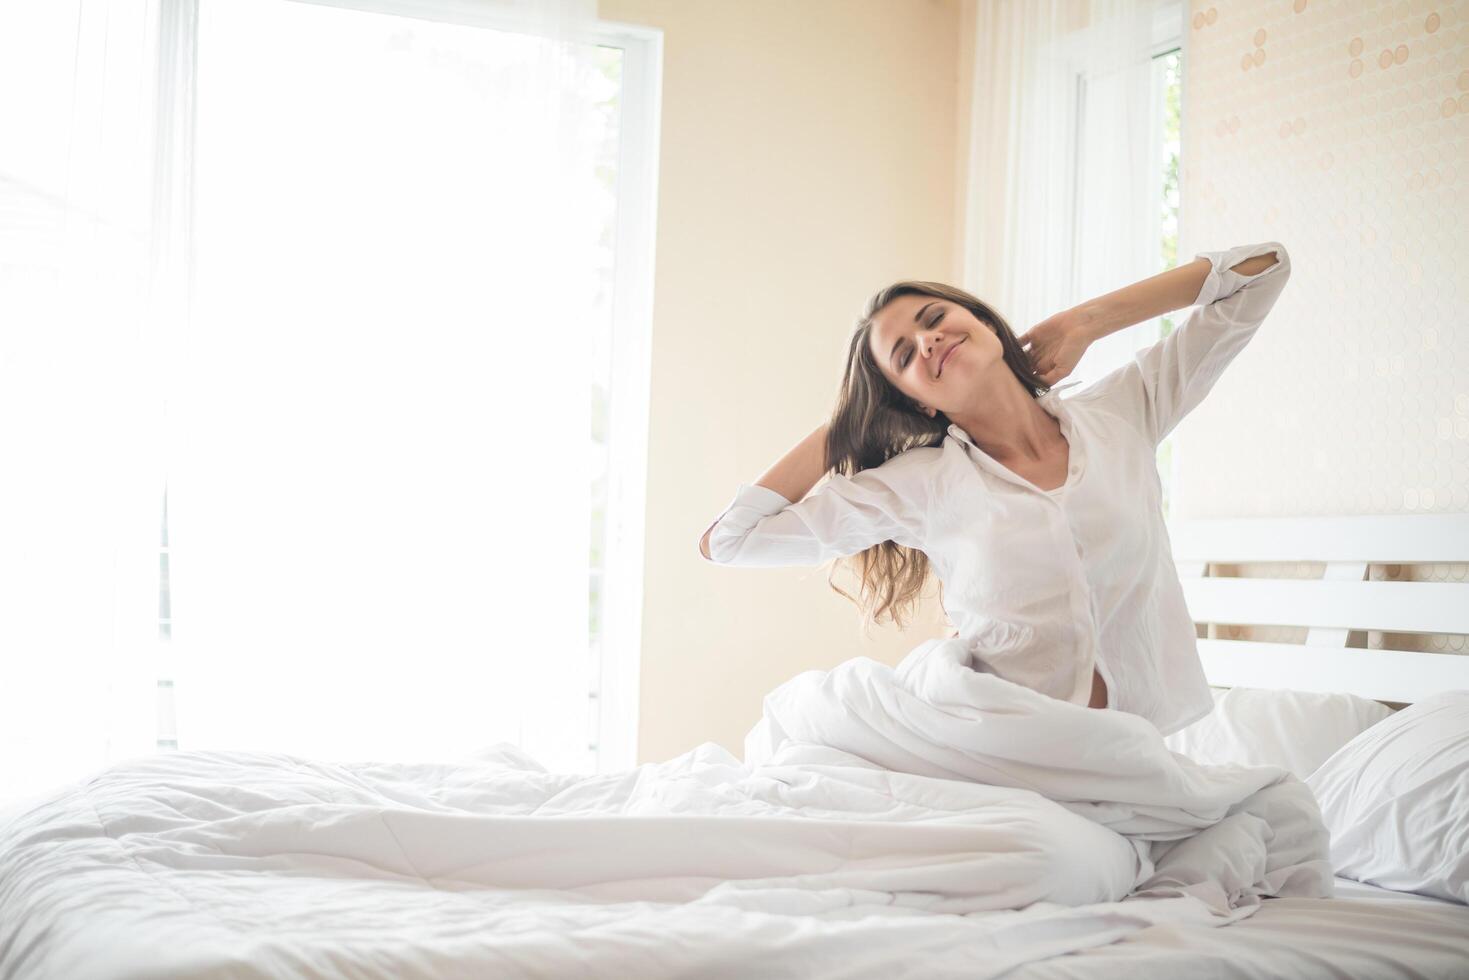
(1363, 933)
(1347, 888)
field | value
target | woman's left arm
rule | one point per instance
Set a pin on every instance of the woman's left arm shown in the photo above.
(1234, 289)
(1155, 296)
(1057, 343)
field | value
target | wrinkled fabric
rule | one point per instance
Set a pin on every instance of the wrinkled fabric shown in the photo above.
(1228, 835)
(931, 814)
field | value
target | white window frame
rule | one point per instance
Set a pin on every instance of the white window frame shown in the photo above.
(1169, 23)
(628, 410)
(1167, 33)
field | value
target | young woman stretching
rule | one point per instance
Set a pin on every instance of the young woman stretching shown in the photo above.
(1042, 517)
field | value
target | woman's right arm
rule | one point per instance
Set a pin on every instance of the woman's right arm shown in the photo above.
(762, 526)
(792, 476)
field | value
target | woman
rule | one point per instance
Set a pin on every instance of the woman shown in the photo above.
(1042, 517)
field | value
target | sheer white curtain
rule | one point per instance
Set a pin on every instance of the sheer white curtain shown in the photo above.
(81, 477)
(371, 417)
(1062, 193)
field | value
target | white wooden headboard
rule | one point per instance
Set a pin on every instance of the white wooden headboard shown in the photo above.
(1342, 600)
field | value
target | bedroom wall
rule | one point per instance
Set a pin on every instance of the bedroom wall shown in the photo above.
(809, 156)
(1340, 129)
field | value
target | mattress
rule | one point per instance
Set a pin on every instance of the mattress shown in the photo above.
(1364, 932)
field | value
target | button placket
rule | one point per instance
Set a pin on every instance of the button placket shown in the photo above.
(1083, 609)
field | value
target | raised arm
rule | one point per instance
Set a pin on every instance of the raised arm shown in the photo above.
(845, 515)
(1234, 289)
(791, 477)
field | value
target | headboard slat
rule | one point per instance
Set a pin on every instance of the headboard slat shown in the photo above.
(1382, 675)
(1396, 607)
(1377, 538)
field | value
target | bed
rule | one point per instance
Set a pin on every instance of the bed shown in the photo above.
(240, 864)
(1364, 931)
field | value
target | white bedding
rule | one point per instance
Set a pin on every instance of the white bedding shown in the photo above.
(930, 815)
(1362, 933)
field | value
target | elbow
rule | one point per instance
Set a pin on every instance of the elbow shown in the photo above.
(1279, 257)
(1283, 257)
(704, 544)
(1262, 262)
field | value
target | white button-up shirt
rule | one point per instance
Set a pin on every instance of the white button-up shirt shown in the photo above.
(1046, 584)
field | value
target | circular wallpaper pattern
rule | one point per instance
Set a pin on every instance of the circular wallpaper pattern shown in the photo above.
(1340, 129)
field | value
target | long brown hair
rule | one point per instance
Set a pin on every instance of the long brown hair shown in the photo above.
(874, 421)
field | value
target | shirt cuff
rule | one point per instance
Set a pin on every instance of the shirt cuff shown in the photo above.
(752, 502)
(1222, 281)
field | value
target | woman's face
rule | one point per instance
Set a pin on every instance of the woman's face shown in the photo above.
(933, 350)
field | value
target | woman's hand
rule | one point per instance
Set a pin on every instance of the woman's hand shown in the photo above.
(1055, 345)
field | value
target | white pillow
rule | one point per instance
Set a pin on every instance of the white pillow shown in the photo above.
(1296, 730)
(1396, 800)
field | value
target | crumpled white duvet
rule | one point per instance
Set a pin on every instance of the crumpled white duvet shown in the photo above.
(926, 820)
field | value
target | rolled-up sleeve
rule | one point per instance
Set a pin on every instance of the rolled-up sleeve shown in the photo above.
(841, 517)
(1164, 382)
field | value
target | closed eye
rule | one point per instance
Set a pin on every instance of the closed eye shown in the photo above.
(908, 355)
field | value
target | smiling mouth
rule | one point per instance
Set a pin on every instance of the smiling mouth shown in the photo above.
(947, 355)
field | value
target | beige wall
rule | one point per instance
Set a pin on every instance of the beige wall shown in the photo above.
(1342, 131)
(809, 156)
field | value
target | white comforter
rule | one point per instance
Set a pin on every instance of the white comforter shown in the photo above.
(930, 818)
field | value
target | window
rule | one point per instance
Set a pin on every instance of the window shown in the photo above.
(385, 382)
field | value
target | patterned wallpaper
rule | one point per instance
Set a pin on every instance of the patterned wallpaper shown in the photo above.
(1339, 128)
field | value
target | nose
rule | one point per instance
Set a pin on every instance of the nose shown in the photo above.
(929, 340)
